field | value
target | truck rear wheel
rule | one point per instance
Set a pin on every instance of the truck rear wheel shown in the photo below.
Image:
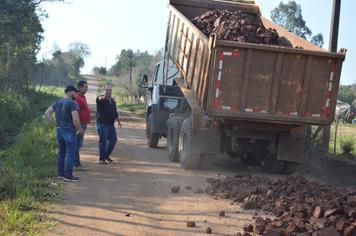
(271, 165)
(289, 168)
(152, 138)
(188, 159)
(174, 124)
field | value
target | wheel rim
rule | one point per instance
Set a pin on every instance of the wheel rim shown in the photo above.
(182, 146)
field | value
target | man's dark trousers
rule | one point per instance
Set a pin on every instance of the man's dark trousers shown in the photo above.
(67, 150)
(107, 133)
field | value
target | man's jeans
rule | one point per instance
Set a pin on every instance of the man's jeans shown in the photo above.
(80, 142)
(67, 149)
(106, 133)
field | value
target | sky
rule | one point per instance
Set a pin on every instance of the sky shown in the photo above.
(108, 26)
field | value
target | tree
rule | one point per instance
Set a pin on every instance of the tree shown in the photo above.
(347, 93)
(290, 17)
(318, 40)
(79, 49)
(20, 37)
(99, 70)
(102, 71)
(139, 63)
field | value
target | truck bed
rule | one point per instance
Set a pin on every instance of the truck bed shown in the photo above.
(244, 81)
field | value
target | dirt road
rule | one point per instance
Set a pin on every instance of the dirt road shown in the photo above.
(139, 183)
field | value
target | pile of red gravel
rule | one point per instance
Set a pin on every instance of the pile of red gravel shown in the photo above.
(238, 26)
(300, 207)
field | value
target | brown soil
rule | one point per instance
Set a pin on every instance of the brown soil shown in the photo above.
(238, 26)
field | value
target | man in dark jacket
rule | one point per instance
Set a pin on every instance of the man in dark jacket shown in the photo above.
(106, 116)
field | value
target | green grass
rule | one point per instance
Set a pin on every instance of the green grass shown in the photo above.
(27, 168)
(346, 134)
(138, 109)
(25, 180)
(17, 109)
(54, 90)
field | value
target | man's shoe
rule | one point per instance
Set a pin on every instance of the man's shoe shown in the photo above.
(109, 160)
(102, 162)
(71, 179)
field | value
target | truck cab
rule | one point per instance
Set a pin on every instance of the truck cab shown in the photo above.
(165, 98)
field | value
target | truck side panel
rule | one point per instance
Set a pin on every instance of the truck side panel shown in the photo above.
(188, 49)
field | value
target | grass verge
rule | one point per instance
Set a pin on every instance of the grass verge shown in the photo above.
(340, 143)
(27, 167)
(25, 180)
(138, 109)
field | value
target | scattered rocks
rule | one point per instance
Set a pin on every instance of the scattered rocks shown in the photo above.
(238, 26)
(191, 224)
(330, 231)
(175, 189)
(318, 212)
(300, 207)
(248, 228)
(209, 230)
(188, 187)
(350, 231)
(259, 229)
(222, 213)
(127, 214)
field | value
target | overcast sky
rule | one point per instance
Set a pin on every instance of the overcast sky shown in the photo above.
(108, 26)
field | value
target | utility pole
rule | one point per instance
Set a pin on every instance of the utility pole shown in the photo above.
(334, 35)
(130, 70)
(334, 30)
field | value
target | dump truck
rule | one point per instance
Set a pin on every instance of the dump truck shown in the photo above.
(251, 101)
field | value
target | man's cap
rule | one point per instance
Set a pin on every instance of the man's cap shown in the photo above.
(70, 88)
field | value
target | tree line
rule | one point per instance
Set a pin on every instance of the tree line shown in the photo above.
(21, 34)
(128, 70)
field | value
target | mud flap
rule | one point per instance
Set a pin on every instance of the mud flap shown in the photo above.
(206, 141)
(160, 118)
(290, 148)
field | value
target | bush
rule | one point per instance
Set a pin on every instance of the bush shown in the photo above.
(12, 105)
(27, 165)
(17, 109)
(25, 171)
(347, 144)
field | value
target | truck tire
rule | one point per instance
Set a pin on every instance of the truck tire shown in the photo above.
(188, 160)
(174, 124)
(289, 168)
(152, 138)
(271, 165)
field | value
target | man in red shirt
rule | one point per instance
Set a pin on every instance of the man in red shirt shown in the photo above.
(84, 115)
